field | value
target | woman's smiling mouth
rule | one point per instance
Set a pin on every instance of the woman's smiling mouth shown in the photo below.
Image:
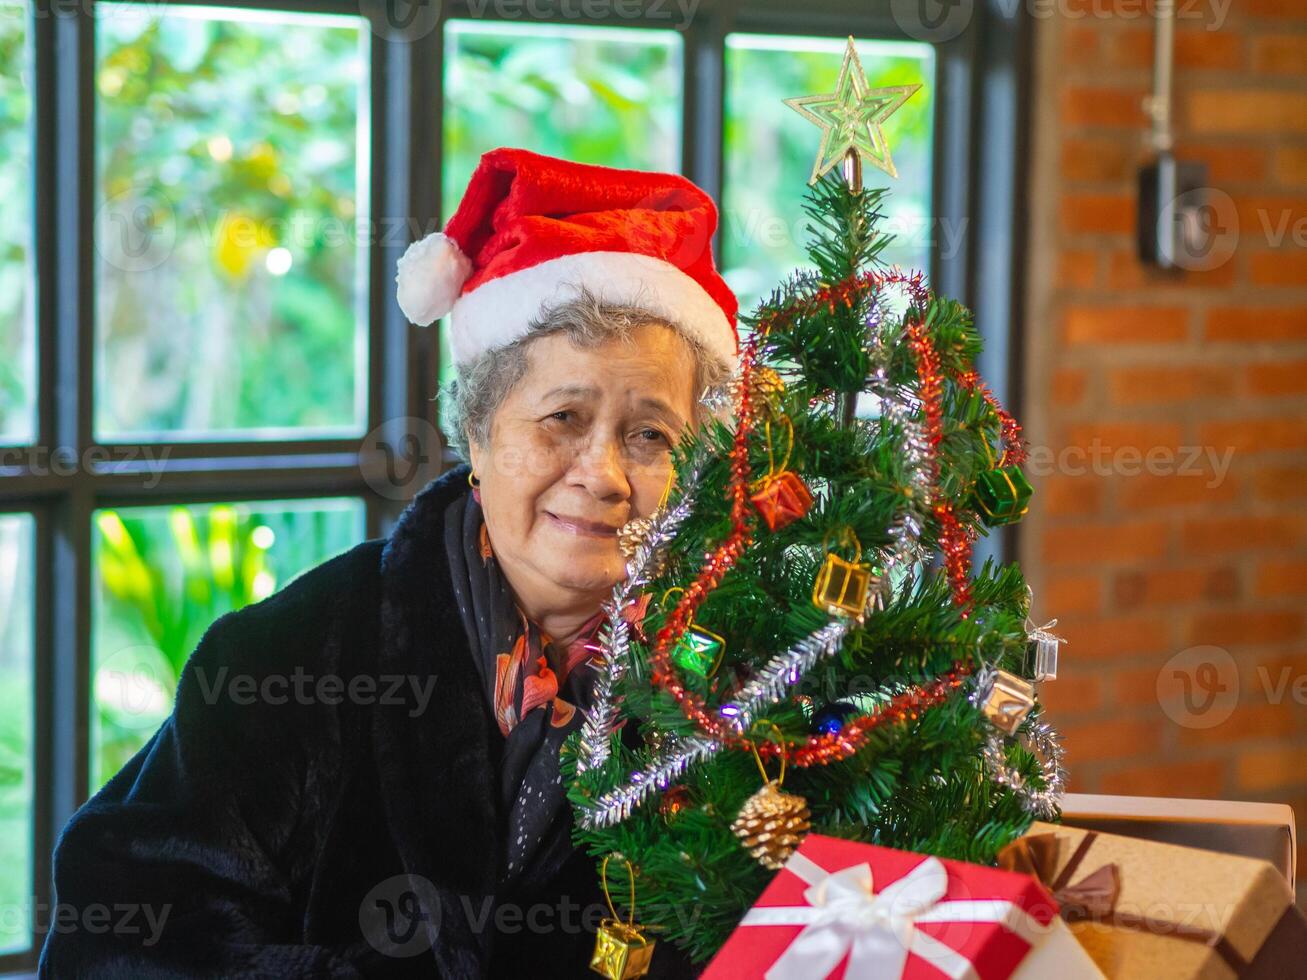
(579, 526)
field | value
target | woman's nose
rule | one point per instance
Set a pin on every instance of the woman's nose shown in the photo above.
(600, 468)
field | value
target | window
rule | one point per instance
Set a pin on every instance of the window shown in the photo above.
(17, 296)
(163, 574)
(769, 152)
(206, 385)
(230, 278)
(16, 726)
(606, 95)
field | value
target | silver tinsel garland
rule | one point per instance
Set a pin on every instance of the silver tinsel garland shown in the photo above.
(1044, 741)
(595, 740)
(782, 672)
(668, 766)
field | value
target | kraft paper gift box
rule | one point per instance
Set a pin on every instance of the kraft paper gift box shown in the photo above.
(1257, 830)
(850, 911)
(1145, 909)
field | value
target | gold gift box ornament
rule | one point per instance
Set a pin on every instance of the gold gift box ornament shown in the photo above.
(841, 587)
(622, 951)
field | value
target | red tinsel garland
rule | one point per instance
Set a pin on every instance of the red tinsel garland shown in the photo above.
(954, 541)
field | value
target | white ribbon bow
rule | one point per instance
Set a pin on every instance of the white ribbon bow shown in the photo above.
(878, 930)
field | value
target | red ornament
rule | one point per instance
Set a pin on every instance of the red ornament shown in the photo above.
(783, 499)
(675, 799)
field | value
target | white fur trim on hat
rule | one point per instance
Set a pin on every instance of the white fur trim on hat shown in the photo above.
(500, 311)
(430, 275)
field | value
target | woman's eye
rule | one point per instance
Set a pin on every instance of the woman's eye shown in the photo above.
(652, 435)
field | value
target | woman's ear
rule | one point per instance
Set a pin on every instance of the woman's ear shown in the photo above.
(475, 457)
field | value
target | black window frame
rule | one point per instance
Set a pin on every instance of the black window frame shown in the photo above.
(979, 185)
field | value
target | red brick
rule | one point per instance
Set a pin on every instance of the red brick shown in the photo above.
(1226, 629)
(1071, 695)
(1174, 586)
(1124, 542)
(1250, 721)
(1255, 435)
(1128, 49)
(1280, 54)
(1243, 324)
(1135, 686)
(1203, 50)
(1268, 112)
(1278, 268)
(1110, 738)
(1226, 164)
(1271, 220)
(1098, 160)
(1281, 483)
(1291, 164)
(1125, 324)
(1287, 9)
(1062, 595)
(1114, 107)
(1126, 271)
(1200, 780)
(1147, 492)
(1112, 436)
(1080, 45)
(1098, 214)
(1273, 676)
(1278, 378)
(1066, 387)
(1093, 639)
(1152, 383)
(1282, 578)
(1270, 768)
(1224, 535)
(1069, 496)
(1077, 268)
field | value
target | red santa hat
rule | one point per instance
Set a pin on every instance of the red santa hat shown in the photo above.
(531, 228)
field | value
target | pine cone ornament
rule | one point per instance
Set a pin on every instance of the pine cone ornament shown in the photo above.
(629, 539)
(768, 383)
(771, 824)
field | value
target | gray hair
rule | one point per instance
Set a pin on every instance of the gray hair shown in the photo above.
(473, 398)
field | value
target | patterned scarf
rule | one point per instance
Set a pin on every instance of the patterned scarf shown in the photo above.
(537, 690)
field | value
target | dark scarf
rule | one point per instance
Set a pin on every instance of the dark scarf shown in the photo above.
(538, 831)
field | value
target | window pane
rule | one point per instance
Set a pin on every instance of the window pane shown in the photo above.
(770, 149)
(17, 293)
(164, 574)
(16, 661)
(232, 177)
(604, 95)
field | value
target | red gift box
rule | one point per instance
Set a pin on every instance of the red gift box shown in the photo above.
(850, 911)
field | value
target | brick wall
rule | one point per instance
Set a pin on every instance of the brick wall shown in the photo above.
(1146, 558)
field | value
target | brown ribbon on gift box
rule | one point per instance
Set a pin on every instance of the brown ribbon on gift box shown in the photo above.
(1093, 898)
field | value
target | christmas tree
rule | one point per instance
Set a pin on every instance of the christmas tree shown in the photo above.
(818, 653)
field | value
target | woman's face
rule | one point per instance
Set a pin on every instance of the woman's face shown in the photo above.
(580, 446)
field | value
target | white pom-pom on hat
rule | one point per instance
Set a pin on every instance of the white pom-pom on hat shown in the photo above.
(430, 275)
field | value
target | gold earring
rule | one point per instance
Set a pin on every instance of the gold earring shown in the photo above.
(472, 480)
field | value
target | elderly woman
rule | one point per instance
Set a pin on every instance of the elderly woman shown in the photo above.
(360, 777)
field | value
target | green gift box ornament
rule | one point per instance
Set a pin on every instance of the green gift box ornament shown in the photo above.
(1003, 495)
(698, 650)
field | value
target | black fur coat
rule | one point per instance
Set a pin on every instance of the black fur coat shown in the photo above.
(286, 827)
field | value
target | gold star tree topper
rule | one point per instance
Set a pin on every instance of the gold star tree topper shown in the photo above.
(850, 117)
